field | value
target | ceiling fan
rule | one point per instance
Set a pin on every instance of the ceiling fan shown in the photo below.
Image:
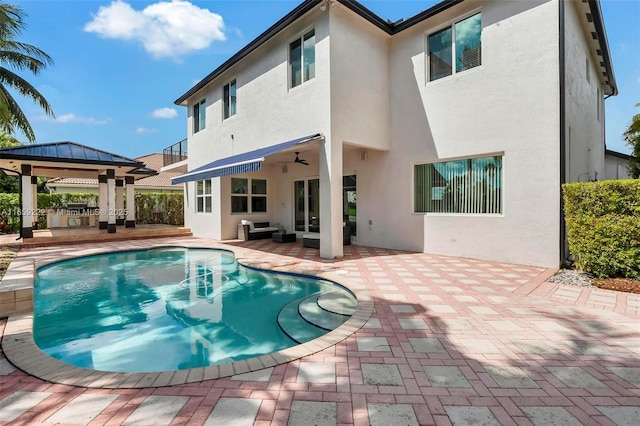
(299, 160)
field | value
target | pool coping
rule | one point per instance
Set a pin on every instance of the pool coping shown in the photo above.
(20, 348)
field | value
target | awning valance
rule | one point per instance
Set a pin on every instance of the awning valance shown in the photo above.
(240, 163)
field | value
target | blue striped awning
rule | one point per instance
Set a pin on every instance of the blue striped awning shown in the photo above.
(240, 163)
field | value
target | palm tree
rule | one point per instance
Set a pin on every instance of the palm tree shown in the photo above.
(18, 56)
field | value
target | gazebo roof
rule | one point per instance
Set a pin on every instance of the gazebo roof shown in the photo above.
(67, 152)
(70, 159)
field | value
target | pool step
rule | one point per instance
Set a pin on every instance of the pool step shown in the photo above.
(338, 302)
(294, 326)
(311, 312)
(312, 316)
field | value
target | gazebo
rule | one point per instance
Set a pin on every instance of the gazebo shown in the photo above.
(115, 173)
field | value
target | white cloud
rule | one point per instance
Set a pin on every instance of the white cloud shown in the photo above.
(165, 29)
(73, 118)
(164, 113)
(142, 130)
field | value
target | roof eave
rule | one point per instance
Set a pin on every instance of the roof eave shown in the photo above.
(368, 14)
(598, 22)
(617, 154)
(273, 30)
(69, 160)
(425, 14)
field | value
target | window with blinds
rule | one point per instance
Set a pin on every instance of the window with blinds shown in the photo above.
(472, 186)
(459, 44)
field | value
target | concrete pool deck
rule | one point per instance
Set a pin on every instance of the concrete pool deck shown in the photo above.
(450, 341)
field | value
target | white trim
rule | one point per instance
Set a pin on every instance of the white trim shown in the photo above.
(240, 163)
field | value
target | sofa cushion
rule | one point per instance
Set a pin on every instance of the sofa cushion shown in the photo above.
(266, 229)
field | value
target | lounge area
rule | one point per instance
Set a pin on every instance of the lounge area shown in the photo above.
(249, 231)
(312, 240)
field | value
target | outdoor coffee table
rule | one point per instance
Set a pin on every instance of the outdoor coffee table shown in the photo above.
(283, 238)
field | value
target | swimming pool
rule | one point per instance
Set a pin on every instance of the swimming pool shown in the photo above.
(175, 308)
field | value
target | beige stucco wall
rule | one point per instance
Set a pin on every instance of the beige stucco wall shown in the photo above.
(584, 127)
(509, 106)
(371, 93)
(616, 168)
(268, 112)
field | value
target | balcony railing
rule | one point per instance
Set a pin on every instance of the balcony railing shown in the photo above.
(175, 153)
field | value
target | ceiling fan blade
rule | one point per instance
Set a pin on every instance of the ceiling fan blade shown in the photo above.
(298, 160)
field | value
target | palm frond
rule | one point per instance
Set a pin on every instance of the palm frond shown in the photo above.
(11, 21)
(24, 88)
(16, 118)
(24, 53)
(18, 56)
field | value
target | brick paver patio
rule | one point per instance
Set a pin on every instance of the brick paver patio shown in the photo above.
(451, 341)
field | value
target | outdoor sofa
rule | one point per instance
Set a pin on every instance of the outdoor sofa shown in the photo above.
(248, 230)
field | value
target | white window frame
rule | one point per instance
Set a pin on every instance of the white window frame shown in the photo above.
(289, 63)
(200, 119)
(465, 158)
(226, 101)
(452, 25)
(204, 196)
(249, 195)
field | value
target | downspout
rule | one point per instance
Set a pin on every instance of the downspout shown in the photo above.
(564, 255)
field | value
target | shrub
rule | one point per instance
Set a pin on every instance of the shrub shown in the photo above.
(152, 208)
(166, 208)
(9, 219)
(603, 226)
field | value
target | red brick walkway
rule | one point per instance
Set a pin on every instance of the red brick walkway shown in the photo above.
(451, 341)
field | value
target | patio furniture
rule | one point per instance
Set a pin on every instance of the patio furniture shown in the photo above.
(255, 231)
(312, 240)
(283, 238)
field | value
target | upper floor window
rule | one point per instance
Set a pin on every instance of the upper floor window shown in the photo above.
(302, 58)
(459, 44)
(229, 99)
(199, 116)
(203, 196)
(472, 185)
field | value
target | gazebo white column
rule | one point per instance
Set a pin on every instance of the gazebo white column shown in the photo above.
(131, 203)
(331, 199)
(34, 193)
(119, 202)
(111, 196)
(27, 202)
(103, 202)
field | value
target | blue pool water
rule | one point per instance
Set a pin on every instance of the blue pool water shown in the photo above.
(176, 308)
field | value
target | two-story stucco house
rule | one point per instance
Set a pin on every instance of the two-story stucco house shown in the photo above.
(449, 132)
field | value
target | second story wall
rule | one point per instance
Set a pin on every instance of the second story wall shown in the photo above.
(268, 109)
(584, 101)
(359, 80)
(506, 106)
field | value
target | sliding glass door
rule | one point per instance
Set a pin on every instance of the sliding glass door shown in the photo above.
(307, 205)
(350, 202)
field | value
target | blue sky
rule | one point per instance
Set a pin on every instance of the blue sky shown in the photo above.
(117, 70)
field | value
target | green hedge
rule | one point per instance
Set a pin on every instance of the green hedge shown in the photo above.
(151, 208)
(9, 220)
(603, 226)
(166, 208)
